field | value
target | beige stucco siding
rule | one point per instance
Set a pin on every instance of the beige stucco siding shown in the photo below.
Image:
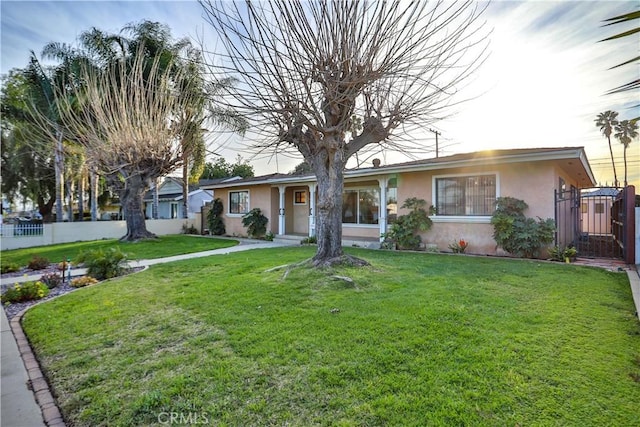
(532, 182)
(259, 197)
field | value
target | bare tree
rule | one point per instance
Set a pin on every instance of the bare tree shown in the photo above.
(123, 116)
(307, 69)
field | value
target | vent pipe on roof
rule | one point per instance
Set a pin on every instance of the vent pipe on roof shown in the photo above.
(376, 163)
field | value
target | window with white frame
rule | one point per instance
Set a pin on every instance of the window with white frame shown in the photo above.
(239, 202)
(361, 206)
(473, 195)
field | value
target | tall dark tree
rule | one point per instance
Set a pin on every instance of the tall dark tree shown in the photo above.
(606, 122)
(122, 111)
(28, 167)
(626, 131)
(306, 69)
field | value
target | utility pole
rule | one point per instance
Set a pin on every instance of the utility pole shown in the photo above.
(437, 133)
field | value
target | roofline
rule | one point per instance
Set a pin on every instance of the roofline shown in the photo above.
(430, 164)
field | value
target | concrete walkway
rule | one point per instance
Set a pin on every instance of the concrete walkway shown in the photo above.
(26, 399)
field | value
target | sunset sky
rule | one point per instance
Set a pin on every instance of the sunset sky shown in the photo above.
(542, 85)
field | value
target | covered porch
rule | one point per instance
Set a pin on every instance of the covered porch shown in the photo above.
(367, 206)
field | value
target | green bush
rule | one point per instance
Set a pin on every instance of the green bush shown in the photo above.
(27, 291)
(52, 280)
(9, 268)
(214, 218)
(517, 234)
(104, 264)
(403, 233)
(311, 240)
(189, 229)
(255, 222)
(562, 255)
(38, 263)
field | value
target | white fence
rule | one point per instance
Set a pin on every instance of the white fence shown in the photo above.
(14, 236)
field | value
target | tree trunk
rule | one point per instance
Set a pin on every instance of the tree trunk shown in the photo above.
(59, 171)
(81, 196)
(132, 204)
(625, 165)
(185, 189)
(69, 186)
(329, 171)
(93, 183)
(613, 163)
(156, 199)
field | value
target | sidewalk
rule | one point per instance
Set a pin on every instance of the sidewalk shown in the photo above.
(18, 406)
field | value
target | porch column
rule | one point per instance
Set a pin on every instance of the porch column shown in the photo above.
(382, 217)
(312, 210)
(281, 224)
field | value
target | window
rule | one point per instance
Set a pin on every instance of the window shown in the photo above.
(360, 206)
(174, 210)
(466, 195)
(585, 208)
(392, 200)
(300, 197)
(239, 202)
(599, 208)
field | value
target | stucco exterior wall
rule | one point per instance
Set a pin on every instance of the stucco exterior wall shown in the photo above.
(534, 183)
(259, 197)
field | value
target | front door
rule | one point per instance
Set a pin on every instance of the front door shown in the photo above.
(300, 211)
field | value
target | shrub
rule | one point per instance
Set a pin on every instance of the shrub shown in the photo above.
(52, 279)
(104, 264)
(311, 240)
(189, 229)
(517, 234)
(255, 222)
(269, 236)
(9, 268)
(38, 263)
(27, 291)
(214, 218)
(80, 282)
(562, 255)
(459, 246)
(403, 232)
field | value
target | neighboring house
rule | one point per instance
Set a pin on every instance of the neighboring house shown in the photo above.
(170, 199)
(463, 188)
(595, 209)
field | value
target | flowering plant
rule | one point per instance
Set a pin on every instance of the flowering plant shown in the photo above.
(459, 246)
(26, 291)
(80, 282)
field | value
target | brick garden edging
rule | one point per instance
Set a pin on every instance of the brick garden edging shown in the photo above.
(39, 385)
(37, 381)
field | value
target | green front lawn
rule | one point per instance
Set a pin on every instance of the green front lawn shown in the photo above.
(416, 339)
(164, 246)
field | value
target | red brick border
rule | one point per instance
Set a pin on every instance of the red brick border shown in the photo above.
(38, 383)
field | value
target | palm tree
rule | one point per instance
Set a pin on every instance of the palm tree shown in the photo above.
(606, 122)
(203, 110)
(626, 131)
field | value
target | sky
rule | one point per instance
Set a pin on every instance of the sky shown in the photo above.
(542, 85)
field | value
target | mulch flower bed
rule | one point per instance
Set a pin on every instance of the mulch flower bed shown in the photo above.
(64, 288)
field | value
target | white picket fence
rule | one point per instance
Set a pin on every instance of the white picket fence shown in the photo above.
(14, 236)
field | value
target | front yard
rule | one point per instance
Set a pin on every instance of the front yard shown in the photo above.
(416, 339)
